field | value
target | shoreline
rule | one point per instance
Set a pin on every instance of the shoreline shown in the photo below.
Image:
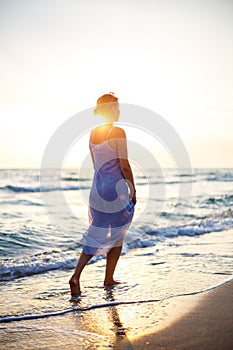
(200, 321)
(163, 274)
(205, 326)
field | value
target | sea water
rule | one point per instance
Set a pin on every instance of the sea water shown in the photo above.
(180, 243)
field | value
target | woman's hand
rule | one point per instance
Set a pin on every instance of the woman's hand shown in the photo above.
(132, 196)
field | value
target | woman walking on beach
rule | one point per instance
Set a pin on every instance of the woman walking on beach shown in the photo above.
(112, 197)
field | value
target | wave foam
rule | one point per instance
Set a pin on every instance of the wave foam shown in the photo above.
(21, 189)
(45, 262)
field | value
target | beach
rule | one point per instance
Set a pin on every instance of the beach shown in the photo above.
(176, 275)
(199, 321)
(159, 72)
(208, 326)
(183, 311)
(89, 88)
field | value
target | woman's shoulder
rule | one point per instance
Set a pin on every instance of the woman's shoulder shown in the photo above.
(98, 135)
(118, 132)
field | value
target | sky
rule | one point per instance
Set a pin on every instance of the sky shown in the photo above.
(173, 57)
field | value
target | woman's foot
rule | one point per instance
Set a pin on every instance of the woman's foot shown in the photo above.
(110, 282)
(74, 287)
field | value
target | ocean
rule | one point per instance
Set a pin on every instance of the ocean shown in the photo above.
(179, 243)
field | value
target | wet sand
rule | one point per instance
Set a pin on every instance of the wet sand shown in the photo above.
(209, 326)
(198, 321)
(195, 322)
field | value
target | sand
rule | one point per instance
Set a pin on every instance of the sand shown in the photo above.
(194, 322)
(209, 326)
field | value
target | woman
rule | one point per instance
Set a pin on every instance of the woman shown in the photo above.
(112, 197)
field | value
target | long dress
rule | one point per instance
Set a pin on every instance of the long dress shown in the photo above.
(110, 209)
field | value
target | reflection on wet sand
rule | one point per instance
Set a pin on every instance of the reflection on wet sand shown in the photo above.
(119, 329)
(105, 322)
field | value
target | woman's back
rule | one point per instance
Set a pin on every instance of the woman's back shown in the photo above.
(107, 184)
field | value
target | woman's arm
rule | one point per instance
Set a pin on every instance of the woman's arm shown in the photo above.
(122, 152)
(92, 157)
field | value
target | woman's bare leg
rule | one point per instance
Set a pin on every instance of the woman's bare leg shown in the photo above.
(74, 281)
(112, 259)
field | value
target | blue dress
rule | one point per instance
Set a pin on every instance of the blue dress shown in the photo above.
(110, 209)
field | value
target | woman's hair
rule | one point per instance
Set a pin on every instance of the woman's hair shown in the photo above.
(104, 102)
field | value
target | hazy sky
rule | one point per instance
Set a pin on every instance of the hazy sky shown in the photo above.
(173, 57)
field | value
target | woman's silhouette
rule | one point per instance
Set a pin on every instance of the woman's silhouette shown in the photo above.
(113, 195)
